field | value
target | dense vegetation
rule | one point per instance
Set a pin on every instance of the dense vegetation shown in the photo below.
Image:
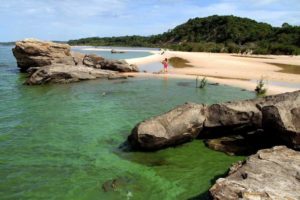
(214, 34)
(7, 43)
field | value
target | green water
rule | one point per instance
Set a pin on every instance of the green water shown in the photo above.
(62, 141)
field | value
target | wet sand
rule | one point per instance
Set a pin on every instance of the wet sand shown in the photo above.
(280, 72)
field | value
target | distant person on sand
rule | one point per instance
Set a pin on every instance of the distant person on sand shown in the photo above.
(165, 63)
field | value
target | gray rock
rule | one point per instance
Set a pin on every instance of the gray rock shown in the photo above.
(66, 74)
(98, 62)
(118, 65)
(217, 120)
(283, 120)
(174, 127)
(269, 174)
(230, 118)
(117, 51)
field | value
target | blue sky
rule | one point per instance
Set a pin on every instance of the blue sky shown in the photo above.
(71, 19)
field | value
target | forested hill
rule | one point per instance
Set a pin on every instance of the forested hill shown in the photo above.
(214, 34)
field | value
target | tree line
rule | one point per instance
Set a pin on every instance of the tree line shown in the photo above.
(226, 34)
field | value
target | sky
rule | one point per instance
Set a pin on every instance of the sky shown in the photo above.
(72, 19)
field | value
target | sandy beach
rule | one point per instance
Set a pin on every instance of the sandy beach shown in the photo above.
(235, 70)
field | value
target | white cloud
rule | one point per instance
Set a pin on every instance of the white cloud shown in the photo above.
(67, 8)
(67, 19)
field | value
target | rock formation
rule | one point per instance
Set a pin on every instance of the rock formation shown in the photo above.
(98, 62)
(49, 62)
(269, 174)
(36, 53)
(59, 73)
(274, 116)
(177, 126)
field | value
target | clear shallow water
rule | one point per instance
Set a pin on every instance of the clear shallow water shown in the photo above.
(62, 141)
(129, 52)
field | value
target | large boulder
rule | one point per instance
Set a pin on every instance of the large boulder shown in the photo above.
(66, 74)
(283, 118)
(118, 65)
(177, 126)
(218, 120)
(36, 53)
(98, 62)
(49, 62)
(231, 118)
(270, 174)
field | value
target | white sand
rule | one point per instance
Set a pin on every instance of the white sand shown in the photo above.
(231, 70)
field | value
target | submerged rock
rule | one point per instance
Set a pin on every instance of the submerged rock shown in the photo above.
(117, 76)
(233, 118)
(269, 174)
(114, 184)
(49, 62)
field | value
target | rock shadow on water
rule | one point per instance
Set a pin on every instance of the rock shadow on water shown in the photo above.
(243, 144)
(120, 81)
(150, 160)
(206, 194)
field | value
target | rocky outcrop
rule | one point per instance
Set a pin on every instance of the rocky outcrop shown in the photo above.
(59, 73)
(283, 118)
(177, 126)
(36, 53)
(98, 62)
(60, 65)
(93, 60)
(77, 57)
(233, 118)
(118, 65)
(270, 174)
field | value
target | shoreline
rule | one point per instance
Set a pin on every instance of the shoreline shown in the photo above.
(230, 69)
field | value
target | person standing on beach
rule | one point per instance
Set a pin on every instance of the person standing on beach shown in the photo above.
(165, 63)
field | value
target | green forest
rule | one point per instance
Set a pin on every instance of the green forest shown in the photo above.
(224, 34)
